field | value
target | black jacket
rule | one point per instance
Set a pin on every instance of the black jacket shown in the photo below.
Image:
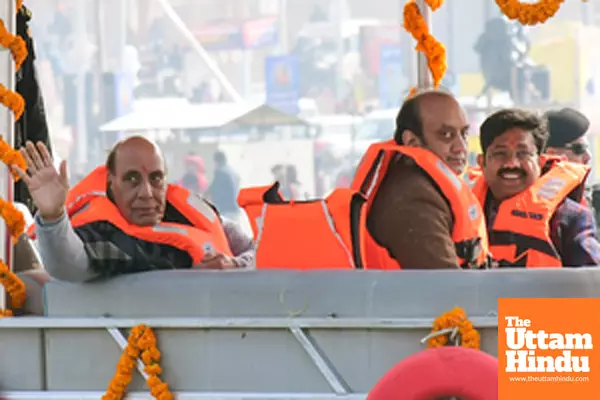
(32, 126)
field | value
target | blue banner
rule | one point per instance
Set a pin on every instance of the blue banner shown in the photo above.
(282, 83)
(391, 76)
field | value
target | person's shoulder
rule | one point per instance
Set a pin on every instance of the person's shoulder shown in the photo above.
(413, 180)
(571, 206)
(571, 211)
(407, 186)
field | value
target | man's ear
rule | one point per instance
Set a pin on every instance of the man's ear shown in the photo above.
(410, 139)
(480, 160)
(109, 180)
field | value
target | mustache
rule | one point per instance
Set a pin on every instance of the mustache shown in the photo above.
(518, 171)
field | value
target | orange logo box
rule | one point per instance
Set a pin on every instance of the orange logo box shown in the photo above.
(549, 349)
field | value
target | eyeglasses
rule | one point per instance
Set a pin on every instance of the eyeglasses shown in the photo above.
(578, 148)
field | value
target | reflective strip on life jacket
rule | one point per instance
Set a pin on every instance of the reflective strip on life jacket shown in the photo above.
(469, 232)
(305, 235)
(520, 235)
(88, 203)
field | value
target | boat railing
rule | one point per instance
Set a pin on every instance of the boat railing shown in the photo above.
(255, 334)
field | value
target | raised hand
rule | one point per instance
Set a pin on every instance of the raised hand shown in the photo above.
(48, 187)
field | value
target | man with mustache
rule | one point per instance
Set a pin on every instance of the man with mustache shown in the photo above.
(124, 218)
(532, 202)
(420, 215)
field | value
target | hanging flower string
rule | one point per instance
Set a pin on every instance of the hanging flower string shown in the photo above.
(15, 222)
(456, 318)
(10, 156)
(434, 51)
(14, 43)
(529, 13)
(18, 49)
(14, 286)
(13, 101)
(140, 344)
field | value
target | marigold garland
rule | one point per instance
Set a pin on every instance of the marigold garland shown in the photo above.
(18, 49)
(15, 288)
(140, 344)
(10, 157)
(14, 219)
(457, 317)
(16, 45)
(529, 13)
(426, 43)
(12, 100)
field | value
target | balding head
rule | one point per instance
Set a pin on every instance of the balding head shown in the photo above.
(135, 143)
(411, 114)
(435, 120)
(137, 180)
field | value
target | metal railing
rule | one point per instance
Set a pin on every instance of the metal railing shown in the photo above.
(297, 327)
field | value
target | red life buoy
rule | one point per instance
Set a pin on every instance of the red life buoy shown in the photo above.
(445, 371)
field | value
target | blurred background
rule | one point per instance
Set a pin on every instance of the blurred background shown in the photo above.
(288, 85)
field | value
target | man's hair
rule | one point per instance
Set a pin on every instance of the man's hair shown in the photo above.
(409, 116)
(111, 160)
(501, 121)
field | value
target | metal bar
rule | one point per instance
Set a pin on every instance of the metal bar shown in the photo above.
(322, 365)
(8, 14)
(122, 343)
(210, 63)
(423, 76)
(232, 323)
(87, 395)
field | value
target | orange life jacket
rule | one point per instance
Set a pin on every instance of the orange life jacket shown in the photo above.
(87, 202)
(520, 235)
(306, 235)
(469, 233)
(473, 174)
